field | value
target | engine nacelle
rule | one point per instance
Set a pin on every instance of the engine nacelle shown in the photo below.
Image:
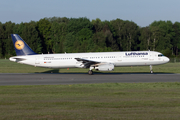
(105, 67)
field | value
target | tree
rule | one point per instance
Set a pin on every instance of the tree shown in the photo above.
(1, 39)
(145, 39)
(58, 34)
(82, 35)
(8, 49)
(69, 42)
(29, 32)
(117, 31)
(76, 24)
(97, 25)
(44, 27)
(84, 38)
(162, 33)
(126, 34)
(176, 38)
(129, 36)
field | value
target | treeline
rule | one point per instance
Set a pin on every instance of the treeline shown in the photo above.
(73, 35)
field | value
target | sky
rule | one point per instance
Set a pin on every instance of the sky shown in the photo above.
(142, 12)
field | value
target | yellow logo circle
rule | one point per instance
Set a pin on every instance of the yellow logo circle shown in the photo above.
(19, 44)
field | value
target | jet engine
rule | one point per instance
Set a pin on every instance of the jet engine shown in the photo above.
(105, 67)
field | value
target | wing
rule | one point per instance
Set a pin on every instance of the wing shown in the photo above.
(87, 63)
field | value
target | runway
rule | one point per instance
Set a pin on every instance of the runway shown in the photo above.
(81, 78)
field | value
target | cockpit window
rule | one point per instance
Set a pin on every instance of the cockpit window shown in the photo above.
(160, 55)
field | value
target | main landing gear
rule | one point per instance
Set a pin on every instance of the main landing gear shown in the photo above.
(90, 72)
(151, 71)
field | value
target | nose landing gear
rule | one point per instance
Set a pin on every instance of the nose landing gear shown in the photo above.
(151, 71)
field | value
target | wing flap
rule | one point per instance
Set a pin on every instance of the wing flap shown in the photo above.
(87, 63)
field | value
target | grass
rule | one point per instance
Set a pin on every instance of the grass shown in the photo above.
(12, 67)
(91, 101)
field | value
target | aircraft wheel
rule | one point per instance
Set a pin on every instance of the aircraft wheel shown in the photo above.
(90, 72)
(151, 71)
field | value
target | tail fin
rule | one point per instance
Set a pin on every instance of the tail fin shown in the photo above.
(20, 46)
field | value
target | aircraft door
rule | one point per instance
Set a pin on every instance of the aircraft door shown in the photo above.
(37, 60)
(119, 58)
(151, 56)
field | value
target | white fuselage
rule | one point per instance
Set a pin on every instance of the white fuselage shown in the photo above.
(129, 58)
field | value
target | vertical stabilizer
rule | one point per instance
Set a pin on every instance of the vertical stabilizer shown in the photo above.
(20, 46)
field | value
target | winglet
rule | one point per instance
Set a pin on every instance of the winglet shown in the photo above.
(20, 46)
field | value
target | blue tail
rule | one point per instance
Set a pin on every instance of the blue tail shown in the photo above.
(20, 46)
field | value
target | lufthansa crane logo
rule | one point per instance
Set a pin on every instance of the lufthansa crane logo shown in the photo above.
(19, 45)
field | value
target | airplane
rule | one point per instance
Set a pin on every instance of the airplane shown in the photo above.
(102, 61)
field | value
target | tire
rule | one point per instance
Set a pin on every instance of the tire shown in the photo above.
(90, 72)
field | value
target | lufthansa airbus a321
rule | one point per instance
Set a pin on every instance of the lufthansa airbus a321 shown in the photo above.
(102, 61)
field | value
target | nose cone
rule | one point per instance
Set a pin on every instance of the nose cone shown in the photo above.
(166, 59)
